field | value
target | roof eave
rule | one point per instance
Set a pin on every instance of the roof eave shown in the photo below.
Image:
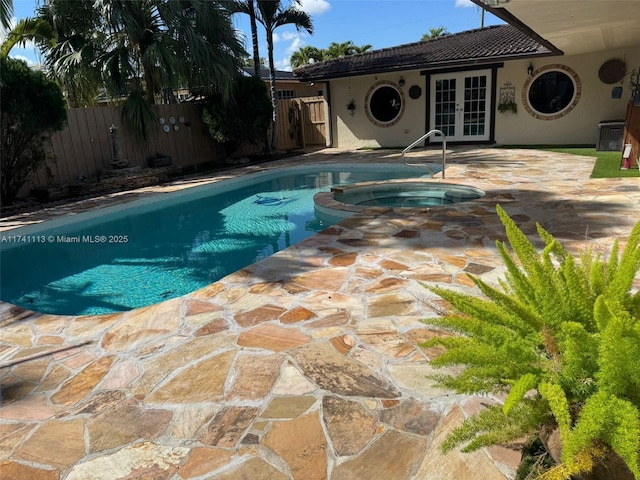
(425, 66)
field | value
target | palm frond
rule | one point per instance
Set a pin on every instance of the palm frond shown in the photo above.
(137, 115)
(292, 16)
(29, 29)
(6, 12)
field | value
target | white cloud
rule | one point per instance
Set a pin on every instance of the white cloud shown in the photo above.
(296, 40)
(464, 4)
(285, 36)
(295, 45)
(315, 7)
(29, 61)
(283, 65)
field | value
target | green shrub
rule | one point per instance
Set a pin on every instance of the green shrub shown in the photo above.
(31, 107)
(245, 119)
(561, 336)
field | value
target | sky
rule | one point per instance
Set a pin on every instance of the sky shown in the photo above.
(379, 23)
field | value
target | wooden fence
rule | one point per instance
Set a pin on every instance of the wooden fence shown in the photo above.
(85, 146)
(314, 130)
(301, 123)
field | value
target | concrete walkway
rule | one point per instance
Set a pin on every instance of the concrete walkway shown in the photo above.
(304, 366)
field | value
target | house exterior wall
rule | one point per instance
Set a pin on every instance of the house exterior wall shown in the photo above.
(578, 126)
(356, 130)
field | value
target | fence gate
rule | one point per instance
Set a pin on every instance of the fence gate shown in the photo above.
(301, 123)
(314, 130)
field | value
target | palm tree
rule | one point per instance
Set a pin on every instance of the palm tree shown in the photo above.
(250, 62)
(271, 14)
(435, 33)
(249, 7)
(338, 50)
(59, 31)
(254, 37)
(362, 48)
(138, 48)
(305, 56)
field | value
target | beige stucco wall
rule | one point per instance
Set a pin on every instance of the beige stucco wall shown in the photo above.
(579, 126)
(355, 131)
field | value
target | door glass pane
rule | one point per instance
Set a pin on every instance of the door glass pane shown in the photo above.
(474, 110)
(445, 103)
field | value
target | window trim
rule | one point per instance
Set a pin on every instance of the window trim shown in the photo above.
(577, 91)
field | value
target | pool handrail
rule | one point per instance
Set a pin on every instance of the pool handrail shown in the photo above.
(422, 139)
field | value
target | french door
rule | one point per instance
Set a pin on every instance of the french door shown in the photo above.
(461, 106)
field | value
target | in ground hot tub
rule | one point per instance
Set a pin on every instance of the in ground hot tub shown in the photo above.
(344, 201)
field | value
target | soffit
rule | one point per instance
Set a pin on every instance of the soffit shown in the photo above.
(575, 26)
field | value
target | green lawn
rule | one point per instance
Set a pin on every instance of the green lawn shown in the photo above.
(608, 166)
(607, 163)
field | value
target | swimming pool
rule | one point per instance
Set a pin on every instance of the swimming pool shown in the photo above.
(141, 253)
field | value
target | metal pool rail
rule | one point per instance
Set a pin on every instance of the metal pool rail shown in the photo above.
(422, 139)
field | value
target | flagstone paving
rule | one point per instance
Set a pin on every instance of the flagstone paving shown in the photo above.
(306, 365)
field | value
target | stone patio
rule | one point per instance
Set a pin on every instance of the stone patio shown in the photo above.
(304, 366)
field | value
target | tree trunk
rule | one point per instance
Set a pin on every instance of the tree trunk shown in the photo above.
(274, 102)
(254, 39)
(147, 88)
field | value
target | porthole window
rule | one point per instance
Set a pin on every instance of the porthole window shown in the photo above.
(551, 92)
(384, 104)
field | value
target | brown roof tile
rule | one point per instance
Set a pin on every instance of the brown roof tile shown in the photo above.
(499, 42)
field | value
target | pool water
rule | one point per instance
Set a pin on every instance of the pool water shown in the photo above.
(408, 194)
(120, 258)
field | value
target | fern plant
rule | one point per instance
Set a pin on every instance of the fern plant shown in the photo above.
(560, 336)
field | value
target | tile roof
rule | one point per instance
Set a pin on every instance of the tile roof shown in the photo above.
(498, 42)
(264, 73)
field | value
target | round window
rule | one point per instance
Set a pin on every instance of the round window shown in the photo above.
(552, 92)
(384, 104)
